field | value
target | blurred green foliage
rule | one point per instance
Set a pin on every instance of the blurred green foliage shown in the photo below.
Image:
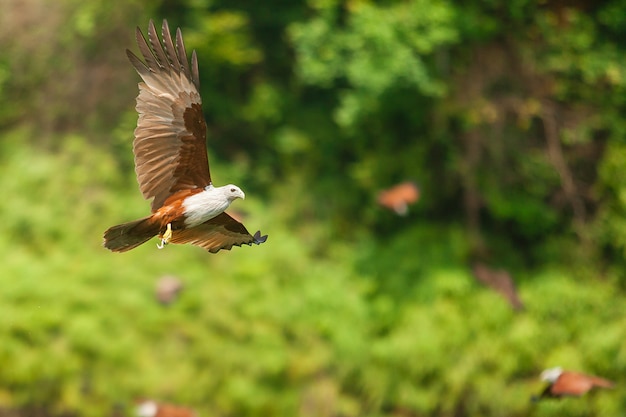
(509, 115)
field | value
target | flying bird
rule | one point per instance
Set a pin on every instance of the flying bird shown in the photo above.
(171, 159)
(399, 197)
(149, 408)
(499, 280)
(563, 383)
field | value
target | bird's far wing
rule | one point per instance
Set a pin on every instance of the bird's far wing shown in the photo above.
(220, 232)
(170, 138)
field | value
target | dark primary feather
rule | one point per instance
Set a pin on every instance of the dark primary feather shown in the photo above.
(182, 55)
(170, 138)
(157, 46)
(258, 239)
(172, 57)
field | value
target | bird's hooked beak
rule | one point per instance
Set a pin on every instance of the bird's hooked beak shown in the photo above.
(237, 194)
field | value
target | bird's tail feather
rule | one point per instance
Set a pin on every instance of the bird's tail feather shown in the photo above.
(601, 382)
(127, 236)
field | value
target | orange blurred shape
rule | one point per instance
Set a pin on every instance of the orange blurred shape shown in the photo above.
(568, 383)
(399, 197)
(150, 408)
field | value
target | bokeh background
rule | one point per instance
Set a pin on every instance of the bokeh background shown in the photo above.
(510, 116)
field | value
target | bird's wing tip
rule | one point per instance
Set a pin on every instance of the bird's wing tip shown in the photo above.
(258, 239)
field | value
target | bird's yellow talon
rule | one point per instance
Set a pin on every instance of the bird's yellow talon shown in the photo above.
(165, 237)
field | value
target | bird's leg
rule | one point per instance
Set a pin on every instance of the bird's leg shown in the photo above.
(165, 237)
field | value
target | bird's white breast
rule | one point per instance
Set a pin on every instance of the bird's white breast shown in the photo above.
(204, 205)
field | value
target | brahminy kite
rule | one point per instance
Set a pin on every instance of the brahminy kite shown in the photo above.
(150, 408)
(171, 160)
(399, 197)
(563, 383)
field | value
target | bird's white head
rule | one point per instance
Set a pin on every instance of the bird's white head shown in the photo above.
(232, 192)
(551, 374)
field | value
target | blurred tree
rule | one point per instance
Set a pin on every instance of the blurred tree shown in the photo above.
(64, 56)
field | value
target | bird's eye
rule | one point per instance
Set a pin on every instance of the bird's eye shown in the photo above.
(232, 190)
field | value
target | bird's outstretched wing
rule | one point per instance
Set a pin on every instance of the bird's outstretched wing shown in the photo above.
(170, 138)
(220, 232)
